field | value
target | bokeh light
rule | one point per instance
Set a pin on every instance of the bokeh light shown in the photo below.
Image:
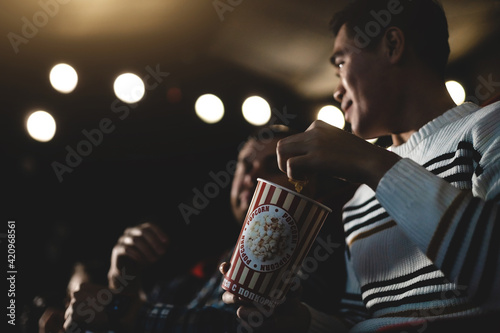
(456, 91)
(209, 108)
(129, 88)
(41, 126)
(256, 110)
(63, 78)
(332, 115)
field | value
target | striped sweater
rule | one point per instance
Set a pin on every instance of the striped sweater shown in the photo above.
(426, 245)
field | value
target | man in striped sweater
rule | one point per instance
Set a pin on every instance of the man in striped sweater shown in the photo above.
(423, 230)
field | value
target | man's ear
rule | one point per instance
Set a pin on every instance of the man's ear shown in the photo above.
(394, 44)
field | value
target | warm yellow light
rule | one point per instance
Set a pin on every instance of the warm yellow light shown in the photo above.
(456, 91)
(209, 108)
(129, 88)
(41, 126)
(256, 110)
(332, 115)
(63, 78)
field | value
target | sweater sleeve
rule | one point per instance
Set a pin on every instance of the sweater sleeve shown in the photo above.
(458, 230)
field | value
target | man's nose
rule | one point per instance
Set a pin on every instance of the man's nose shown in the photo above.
(248, 179)
(251, 176)
(339, 93)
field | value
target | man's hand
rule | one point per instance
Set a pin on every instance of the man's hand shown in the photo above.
(51, 321)
(89, 309)
(137, 248)
(289, 317)
(332, 151)
(85, 310)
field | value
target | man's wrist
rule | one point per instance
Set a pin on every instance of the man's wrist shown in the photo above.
(380, 167)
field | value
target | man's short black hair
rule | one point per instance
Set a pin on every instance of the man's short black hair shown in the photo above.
(423, 23)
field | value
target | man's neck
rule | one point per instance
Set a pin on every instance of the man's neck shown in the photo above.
(422, 106)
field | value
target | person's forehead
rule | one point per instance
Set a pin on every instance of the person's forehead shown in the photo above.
(341, 44)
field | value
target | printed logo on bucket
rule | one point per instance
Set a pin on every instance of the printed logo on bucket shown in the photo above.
(269, 238)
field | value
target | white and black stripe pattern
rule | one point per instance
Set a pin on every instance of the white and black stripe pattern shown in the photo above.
(484, 229)
(457, 167)
(410, 292)
(363, 219)
(424, 285)
(450, 239)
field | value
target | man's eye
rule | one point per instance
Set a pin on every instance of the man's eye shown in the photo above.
(248, 167)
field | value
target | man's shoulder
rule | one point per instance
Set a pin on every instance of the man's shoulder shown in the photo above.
(491, 106)
(487, 118)
(477, 121)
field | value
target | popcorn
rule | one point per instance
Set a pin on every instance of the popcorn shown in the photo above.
(267, 238)
(275, 237)
(299, 184)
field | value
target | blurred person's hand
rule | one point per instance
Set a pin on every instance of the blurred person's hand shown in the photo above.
(51, 321)
(291, 316)
(99, 308)
(137, 248)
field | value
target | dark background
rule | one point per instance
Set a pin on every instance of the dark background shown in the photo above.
(156, 156)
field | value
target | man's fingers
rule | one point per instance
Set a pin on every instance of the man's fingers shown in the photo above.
(86, 308)
(136, 248)
(69, 311)
(147, 245)
(229, 298)
(134, 254)
(152, 234)
(68, 315)
(67, 324)
(295, 167)
(51, 321)
(224, 267)
(289, 148)
(259, 322)
(247, 312)
(157, 231)
(147, 249)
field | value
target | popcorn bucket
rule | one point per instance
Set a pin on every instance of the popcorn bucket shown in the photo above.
(279, 229)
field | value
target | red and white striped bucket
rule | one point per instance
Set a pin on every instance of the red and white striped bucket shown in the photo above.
(279, 229)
